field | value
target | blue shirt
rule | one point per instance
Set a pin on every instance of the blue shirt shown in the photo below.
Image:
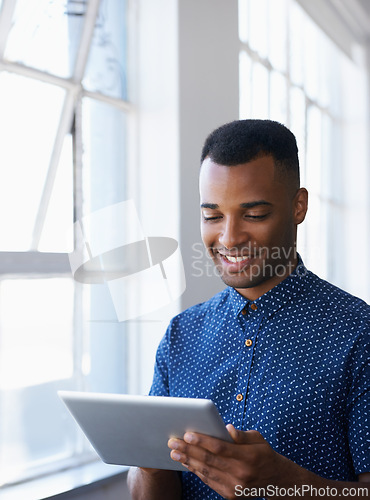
(294, 365)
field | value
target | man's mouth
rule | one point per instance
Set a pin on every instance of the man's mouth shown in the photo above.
(233, 259)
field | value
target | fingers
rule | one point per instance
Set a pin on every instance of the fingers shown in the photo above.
(245, 437)
(215, 446)
(222, 464)
(210, 468)
(233, 432)
(197, 449)
(200, 449)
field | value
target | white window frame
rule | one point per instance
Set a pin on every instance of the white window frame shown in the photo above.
(36, 264)
(331, 250)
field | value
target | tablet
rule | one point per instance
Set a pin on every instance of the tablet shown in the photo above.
(134, 430)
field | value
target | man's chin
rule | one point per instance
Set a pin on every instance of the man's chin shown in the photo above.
(255, 276)
(241, 281)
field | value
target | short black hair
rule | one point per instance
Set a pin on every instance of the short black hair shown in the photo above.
(242, 141)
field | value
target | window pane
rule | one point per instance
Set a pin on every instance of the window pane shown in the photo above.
(316, 251)
(278, 34)
(36, 331)
(34, 430)
(30, 112)
(106, 67)
(297, 120)
(278, 97)
(104, 167)
(296, 44)
(311, 58)
(259, 26)
(260, 92)
(57, 235)
(245, 88)
(331, 173)
(314, 150)
(56, 333)
(104, 161)
(336, 93)
(39, 25)
(326, 62)
(243, 18)
(107, 348)
(36, 354)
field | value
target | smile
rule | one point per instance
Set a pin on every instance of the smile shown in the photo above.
(234, 259)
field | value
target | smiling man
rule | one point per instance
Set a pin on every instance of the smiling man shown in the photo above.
(250, 232)
(283, 354)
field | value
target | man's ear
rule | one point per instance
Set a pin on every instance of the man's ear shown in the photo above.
(300, 205)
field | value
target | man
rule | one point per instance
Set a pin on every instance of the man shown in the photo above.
(283, 354)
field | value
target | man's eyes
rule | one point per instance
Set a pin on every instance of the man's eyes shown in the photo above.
(246, 216)
(211, 218)
(256, 216)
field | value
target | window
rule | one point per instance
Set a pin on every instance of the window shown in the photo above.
(64, 124)
(290, 71)
(72, 131)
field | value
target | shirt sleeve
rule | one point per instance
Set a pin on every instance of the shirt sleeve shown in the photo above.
(359, 409)
(160, 385)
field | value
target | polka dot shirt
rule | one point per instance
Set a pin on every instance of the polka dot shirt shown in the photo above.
(294, 365)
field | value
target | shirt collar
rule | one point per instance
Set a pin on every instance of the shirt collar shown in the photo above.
(275, 298)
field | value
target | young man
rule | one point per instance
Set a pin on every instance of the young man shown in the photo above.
(283, 354)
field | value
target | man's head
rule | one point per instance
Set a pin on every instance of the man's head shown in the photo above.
(244, 140)
(251, 203)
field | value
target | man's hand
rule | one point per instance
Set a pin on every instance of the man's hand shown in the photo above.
(250, 460)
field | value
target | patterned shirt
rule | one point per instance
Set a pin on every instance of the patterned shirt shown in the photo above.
(293, 364)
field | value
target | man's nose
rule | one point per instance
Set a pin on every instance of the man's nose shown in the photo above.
(232, 234)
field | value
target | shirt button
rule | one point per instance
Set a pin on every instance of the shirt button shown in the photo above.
(239, 397)
(254, 307)
(244, 312)
(248, 342)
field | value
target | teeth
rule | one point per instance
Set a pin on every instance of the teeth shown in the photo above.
(234, 259)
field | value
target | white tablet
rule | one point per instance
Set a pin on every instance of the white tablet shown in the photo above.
(134, 430)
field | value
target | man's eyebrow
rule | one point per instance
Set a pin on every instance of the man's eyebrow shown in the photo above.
(253, 204)
(213, 206)
(250, 204)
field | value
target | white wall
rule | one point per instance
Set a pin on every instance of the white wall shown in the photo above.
(154, 184)
(208, 97)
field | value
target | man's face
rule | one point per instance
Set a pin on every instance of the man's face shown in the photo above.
(249, 220)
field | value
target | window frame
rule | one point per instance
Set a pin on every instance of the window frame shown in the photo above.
(333, 203)
(38, 264)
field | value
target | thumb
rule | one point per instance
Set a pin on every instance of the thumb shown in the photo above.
(245, 437)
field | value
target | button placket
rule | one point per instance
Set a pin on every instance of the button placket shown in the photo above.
(251, 321)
